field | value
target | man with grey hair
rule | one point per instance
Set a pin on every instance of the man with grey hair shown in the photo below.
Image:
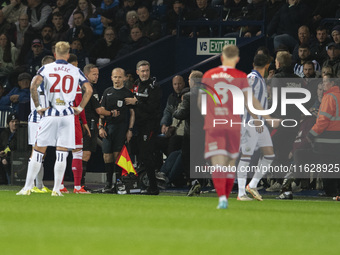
(147, 107)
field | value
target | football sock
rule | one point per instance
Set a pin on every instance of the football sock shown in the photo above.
(263, 168)
(84, 173)
(33, 169)
(59, 169)
(242, 175)
(39, 179)
(77, 187)
(77, 167)
(109, 167)
(223, 182)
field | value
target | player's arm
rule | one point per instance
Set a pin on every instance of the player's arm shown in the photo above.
(86, 98)
(257, 105)
(131, 123)
(37, 80)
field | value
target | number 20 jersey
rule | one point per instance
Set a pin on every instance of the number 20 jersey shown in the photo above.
(219, 78)
(61, 81)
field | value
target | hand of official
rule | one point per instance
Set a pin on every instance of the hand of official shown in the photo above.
(2, 154)
(128, 135)
(115, 113)
(102, 133)
(164, 129)
(131, 100)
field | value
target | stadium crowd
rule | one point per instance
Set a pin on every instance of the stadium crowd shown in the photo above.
(101, 31)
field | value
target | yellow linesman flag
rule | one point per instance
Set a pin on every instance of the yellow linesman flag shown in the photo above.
(124, 161)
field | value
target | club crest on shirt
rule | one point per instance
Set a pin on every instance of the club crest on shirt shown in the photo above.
(58, 101)
(119, 103)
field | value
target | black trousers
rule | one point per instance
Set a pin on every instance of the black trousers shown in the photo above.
(146, 140)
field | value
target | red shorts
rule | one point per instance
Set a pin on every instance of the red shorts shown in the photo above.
(222, 142)
(79, 134)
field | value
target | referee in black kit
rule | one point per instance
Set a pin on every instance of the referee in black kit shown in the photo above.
(147, 107)
(118, 126)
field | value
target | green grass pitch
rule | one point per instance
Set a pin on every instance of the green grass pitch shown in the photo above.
(134, 224)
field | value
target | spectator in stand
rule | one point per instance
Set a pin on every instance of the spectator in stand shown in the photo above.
(65, 7)
(254, 11)
(284, 25)
(128, 5)
(13, 11)
(178, 11)
(22, 26)
(87, 8)
(35, 56)
(38, 13)
(105, 19)
(46, 35)
(124, 31)
(81, 31)
(59, 27)
(333, 52)
(202, 12)
(336, 34)
(304, 38)
(304, 55)
(151, 28)
(78, 51)
(109, 8)
(311, 82)
(8, 56)
(320, 51)
(137, 41)
(105, 49)
(325, 70)
(17, 95)
(273, 6)
(173, 143)
(234, 8)
(6, 27)
(324, 9)
(8, 143)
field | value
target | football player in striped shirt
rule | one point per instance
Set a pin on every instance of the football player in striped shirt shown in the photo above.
(57, 127)
(255, 138)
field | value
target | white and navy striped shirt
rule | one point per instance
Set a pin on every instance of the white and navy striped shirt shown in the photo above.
(34, 116)
(61, 80)
(259, 88)
(298, 68)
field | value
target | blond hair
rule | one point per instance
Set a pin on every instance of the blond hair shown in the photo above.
(284, 58)
(230, 51)
(62, 48)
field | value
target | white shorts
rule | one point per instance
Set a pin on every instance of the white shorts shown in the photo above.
(32, 132)
(56, 131)
(252, 140)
